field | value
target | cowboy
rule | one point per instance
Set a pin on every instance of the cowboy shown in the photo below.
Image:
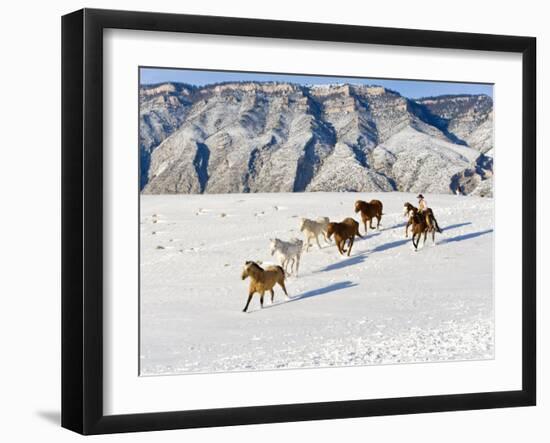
(427, 212)
(422, 204)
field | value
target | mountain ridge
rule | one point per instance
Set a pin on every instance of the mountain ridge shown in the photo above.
(285, 137)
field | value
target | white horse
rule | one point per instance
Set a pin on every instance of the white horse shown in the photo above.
(313, 228)
(287, 252)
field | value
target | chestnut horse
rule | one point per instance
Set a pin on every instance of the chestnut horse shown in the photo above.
(420, 226)
(346, 230)
(409, 209)
(369, 211)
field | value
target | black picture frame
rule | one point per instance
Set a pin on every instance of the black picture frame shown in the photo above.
(82, 219)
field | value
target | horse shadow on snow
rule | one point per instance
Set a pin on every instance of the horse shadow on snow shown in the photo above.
(350, 261)
(324, 290)
(397, 243)
(466, 236)
(333, 287)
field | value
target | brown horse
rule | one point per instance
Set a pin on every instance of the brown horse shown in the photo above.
(420, 226)
(409, 210)
(346, 230)
(369, 211)
(262, 280)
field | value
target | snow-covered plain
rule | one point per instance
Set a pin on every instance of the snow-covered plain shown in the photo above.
(384, 304)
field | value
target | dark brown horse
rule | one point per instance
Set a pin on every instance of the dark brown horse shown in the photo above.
(346, 230)
(369, 211)
(410, 210)
(420, 226)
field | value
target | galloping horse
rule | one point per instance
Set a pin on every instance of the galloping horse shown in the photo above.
(369, 211)
(346, 230)
(262, 280)
(428, 214)
(420, 226)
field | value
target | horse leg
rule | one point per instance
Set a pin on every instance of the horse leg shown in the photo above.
(250, 294)
(407, 229)
(414, 244)
(350, 244)
(342, 246)
(272, 294)
(317, 240)
(425, 236)
(378, 221)
(297, 264)
(262, 299)
(365, 224)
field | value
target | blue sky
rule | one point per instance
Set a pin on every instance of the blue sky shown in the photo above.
(407, 88)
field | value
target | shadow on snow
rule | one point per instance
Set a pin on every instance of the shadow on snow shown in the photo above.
(367, 236)
(466, 236)
(313, 293)
(362, 256)
(390, 245)
(325, 290)
(457, 225)
(350, 261)
(397, 243)
(398, 225)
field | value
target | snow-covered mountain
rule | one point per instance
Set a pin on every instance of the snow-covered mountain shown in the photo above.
(162, 110)
(283, 137)
(468, 117)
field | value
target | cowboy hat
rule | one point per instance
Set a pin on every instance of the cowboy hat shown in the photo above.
(419, 196)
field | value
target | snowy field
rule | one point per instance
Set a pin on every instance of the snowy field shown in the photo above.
(385, 304)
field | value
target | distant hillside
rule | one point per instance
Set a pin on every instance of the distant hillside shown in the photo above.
(283, 137)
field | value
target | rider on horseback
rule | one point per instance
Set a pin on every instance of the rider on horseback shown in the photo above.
(427, 212)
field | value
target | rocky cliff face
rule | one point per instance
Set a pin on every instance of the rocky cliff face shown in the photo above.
(468, 117)
(281, 137)
(162, 110)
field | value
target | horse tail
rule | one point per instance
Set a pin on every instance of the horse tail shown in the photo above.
(438, 229)
(282, 271)
(433, 220)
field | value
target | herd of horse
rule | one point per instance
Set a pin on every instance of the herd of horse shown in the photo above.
(421, 222)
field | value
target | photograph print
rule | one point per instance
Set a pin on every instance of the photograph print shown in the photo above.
(293, 221)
